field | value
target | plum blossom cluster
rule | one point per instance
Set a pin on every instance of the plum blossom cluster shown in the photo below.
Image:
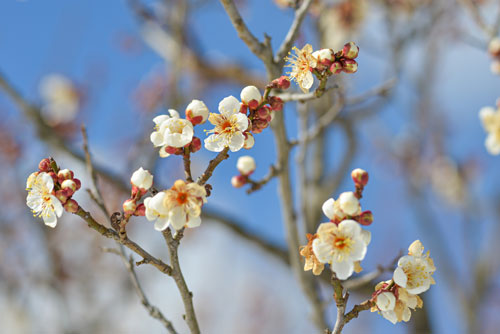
(490, 118)
(494, 51)
(305, 64)
(246, 166)
(141, 181)
(341, 242)
(394, 299)
(50, 192)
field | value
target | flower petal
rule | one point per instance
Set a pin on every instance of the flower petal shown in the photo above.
(229, 106)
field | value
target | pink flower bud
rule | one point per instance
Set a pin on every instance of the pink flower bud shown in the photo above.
(71, 206)
(141, 210)
(195, 145)
(336, 67)
(174, 150)
(263, 112)
(61, 195)
(243, 108)
(276, 103)
(283, 82)
(350, 50)
(253, 104)
(129, 206)
(359, 176)
(238, 181)
(44, 165)
(78, 183)
(68, 184)
(349, 65)
(365, 218)
(64, 174)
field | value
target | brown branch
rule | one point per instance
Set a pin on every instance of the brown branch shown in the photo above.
(186, 158)
(223, 155)
(380, 90)
(256, 185)
(186, 295)
(292, 33)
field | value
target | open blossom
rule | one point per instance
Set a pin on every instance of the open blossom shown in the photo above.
(142, 179)
(395, 305)
(311, 261)
(490, 118)
(346, 205)
(341, 246)
(301, 63)
(41, 199)
(178, 206)
(414, 271)
(229, 127)
(61, 99)
(171, 131)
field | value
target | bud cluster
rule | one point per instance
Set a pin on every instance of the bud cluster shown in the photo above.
(141, 181)
(246, 166)
(65, 184)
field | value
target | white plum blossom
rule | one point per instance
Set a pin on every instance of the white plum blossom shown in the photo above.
(414, 271)
(61, 99)
(157, 211)
(41, 199)
(386, 301)
(490, 118)
(340, 246)
(323, 54)
(171, 131)
(346, 205)
(142, 179)
(250, 93)
(229, 127)
(197, 112)
(396, 309)
(301, 63)
(246, 165)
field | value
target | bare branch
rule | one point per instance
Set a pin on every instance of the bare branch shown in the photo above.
(256, 185)
(212, 165)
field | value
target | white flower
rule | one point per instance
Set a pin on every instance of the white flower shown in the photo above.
(340, 246)
(323, 54)
(346, 205)
(246, 165)
(171, 131)
(414, 271)
(142, 179)
(250, 93)
(157, 211)
(184, 202)
(61, 99)
(41, 199)
(386, 301)
(197, 112)
(490, 118)
(229, 127)
(301, 63)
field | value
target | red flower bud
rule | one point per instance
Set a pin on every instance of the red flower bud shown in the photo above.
(283, 82)
(238, 181)
(129, 206)
(195, 145)
(141, 210)
(350, 50)
(276, 103)
(336, 67)
(253, 104)
(64, 174)
(349, 65)
(78, 183)
(62, 196)
(359, 176)
(365, 218)
(68, 184)
(71, 206)
(44, 165)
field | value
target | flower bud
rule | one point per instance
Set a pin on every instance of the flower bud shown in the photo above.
(54, 177)
(349, 204)
(350, 50)
(68, 184)
(129, 206)
(349, 65)
(140, 210)
(78, 183)
(282, 82)
(65, 174)
(336, 67)
(238, 181)
(246, 165)
(263, 112)
(142, 179)
(250, 93)
(196, 112)
(195, 145)
(365, 218)
(276, 103)
(71, 206)
(62, 196)
(359, 176)
(323, 54)
(44, 165)
(494, 47)
(249, 140)
(174, 150)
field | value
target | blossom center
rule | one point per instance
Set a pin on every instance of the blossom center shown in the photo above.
(182, 198)
(342, 243)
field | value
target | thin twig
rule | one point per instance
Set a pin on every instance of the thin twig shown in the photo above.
(256, 185)
(212, 165)
(186, 295)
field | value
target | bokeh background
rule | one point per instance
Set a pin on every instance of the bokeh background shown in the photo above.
(424, 73)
